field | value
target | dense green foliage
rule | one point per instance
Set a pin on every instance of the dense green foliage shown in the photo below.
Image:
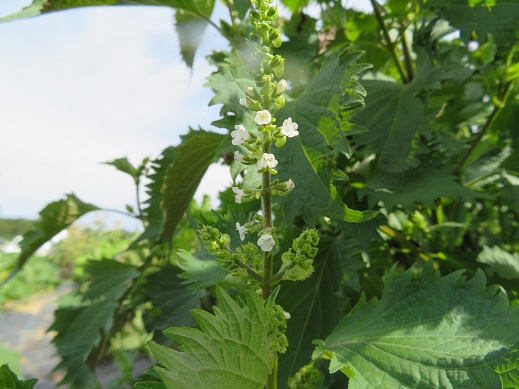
(9, 228)
(407, 164)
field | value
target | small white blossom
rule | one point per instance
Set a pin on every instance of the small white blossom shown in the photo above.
(287, 315)
(281, 87)
(289, 185)
(266, 242)
(239, 135)
(238, 194)
(242, 230)
(267, 161)
(243, 101)
(289, 128)
(263, 117)
(238, 157)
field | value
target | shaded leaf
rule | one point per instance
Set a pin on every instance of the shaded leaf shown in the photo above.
(231, 349)
(418, 186)
(505, 264)
(171, 301)
(200, 273)
(427, 330)
(497, 17)
(198, 150)
(54, 218)
(9, 380)
(190, 25)
(123, 165)
(315, 304)
(322, 113)
(82, 327)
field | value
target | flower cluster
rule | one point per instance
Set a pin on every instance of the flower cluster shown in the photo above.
(298, 260)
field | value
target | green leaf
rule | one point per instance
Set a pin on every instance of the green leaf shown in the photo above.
(200, 273)
(505, 264)
(198, 150)
(394, 115)
(231, 349)
(123, 165)
(315, 305)
(295, 5)
(9, 380)
(426, 331)
(171, 301)
(54, 218)
(191, 24)
(322, 113)
(497, 18)
(418, 186)
(82, 329)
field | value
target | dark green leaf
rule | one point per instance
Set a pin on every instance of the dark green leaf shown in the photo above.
(322, 113)
(123, 165)
(82, 328)
(231, 349)
(497, 17)
(9, 380)
(428, 331)
(54, 218)
(193, 156)
(200, 273)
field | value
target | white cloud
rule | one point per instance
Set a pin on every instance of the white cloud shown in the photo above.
(85, 86)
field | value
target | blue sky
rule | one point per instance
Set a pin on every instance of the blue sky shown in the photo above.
(85, 86)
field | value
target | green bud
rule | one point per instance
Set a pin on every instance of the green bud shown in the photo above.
(280, 142)
(279, 102)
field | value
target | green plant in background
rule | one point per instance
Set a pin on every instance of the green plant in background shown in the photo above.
(438, 164)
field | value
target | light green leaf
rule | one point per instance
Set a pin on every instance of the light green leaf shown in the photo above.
(200, 273)
(231, 349)
(295, 5)
(82, 328)
(9, 380)
(54, 218)
(426, 331)
(322, 113)
(505, 264)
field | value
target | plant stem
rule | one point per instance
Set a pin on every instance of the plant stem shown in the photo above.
(497, 108)
(407, 55)
(389, 44)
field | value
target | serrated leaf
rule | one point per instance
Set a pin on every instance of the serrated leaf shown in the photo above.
(231, 349)
(171, 301)
(193, 156)
(426, 330)
(149, 385)
(200, 273)
(123, 165)
(498, 18)
(9, 380)
(81, 328)
(314, 305)
(505, 264)
(190, 26)
(417, 186)
(321, 112)
(54, 218)
(394, 115)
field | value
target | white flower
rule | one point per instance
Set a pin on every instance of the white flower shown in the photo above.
(281, 87)
(287, 315)
(263, 117)
(289, 185)
(239, 135)
(242, 230)
(266, 242)
(238, 194)
(238, 157)
(267, 161)
(289, 128)
(243, 102)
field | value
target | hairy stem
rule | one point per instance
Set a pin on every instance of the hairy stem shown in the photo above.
(389, 44)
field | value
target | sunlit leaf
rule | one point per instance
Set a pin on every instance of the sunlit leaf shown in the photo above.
(505, 264)
(426, 330)
(231, 349)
